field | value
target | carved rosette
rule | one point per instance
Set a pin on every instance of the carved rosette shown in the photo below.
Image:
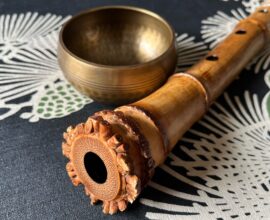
(128, 152)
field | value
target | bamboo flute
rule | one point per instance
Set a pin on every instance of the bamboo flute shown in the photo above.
(114, 153)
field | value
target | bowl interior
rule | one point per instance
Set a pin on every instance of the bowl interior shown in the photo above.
(117, 36)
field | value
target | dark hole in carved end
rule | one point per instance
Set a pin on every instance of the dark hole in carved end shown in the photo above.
(95, 167)
(263, 11)
(241, 32)
(212, 58)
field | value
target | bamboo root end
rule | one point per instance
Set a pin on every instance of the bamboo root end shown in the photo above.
(109, 156)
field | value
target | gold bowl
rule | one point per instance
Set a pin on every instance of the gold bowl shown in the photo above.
(117, 54)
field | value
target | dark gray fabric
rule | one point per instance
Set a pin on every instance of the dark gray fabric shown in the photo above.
(33, 180)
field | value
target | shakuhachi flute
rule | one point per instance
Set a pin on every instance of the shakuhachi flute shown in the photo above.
(114, 153)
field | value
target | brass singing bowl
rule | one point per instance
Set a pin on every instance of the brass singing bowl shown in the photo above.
(117, 54)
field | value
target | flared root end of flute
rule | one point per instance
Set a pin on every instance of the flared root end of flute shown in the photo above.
(107, 154)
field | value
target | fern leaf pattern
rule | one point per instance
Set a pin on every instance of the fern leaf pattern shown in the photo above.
(228, 166)
(29, 68)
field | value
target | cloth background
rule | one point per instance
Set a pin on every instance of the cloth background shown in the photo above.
(33, 180)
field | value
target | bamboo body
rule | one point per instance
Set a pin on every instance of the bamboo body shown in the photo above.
(133, 139)
(184, 99)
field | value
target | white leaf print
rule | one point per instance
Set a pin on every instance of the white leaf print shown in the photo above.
(230, 160)
(29, 68)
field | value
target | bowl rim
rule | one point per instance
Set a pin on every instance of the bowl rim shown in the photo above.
(133, 8)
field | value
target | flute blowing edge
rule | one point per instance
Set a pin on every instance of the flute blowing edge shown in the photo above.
(133, 139)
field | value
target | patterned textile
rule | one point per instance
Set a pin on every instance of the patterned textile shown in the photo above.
(219, 170)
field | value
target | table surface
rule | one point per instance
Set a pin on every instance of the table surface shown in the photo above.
(220, 168)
